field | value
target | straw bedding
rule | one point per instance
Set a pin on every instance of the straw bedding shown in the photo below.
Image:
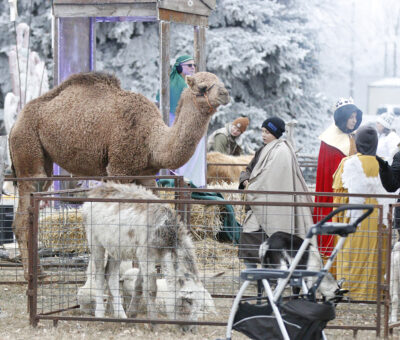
(63, 231)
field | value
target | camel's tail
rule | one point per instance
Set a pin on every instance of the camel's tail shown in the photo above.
(14, 174)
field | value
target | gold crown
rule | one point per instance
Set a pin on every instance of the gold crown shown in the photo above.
(344, 101)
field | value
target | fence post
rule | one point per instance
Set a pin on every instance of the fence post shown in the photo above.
(388, 274)
(382, 288)
(33, 260)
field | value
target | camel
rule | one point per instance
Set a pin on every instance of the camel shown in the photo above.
(221, 173)
(89, 126)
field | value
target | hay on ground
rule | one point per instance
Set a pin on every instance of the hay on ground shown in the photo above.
(212, 254)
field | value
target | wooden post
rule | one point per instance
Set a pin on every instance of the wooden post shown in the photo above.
(92, 44)
(290, 127)
(54, 26)
(3, 159)
(200, 48)
(164, 33)
(164, 28)
(200, 59)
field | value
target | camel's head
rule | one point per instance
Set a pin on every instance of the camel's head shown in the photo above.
(209, 91)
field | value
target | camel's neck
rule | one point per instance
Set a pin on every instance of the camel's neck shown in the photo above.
(176, 144)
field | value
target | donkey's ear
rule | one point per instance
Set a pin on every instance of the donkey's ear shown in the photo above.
(190, 81)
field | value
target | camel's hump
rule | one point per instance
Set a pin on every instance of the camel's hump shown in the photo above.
(85, 79)
(90, 78)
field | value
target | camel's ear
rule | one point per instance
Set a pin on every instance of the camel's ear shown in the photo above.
(190, 81)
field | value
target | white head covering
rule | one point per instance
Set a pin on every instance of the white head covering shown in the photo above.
(386, 120)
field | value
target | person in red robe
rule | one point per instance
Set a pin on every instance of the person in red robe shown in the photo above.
(337, 142)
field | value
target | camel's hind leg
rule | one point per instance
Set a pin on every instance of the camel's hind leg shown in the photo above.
(28, 161)
(21, 222)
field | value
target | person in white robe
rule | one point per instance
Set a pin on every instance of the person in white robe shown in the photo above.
(389, 140)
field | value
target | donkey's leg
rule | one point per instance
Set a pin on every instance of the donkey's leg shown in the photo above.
(149, 274)
(113, 285)
(168, 290)
(151, 294)
(98, 253)
(137, 292)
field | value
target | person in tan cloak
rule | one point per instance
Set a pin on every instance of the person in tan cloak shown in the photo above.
(273, 168)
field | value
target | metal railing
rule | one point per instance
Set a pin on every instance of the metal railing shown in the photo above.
(208, 272)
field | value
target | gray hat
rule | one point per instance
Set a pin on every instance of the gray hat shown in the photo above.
(367, 140)
(386, 120)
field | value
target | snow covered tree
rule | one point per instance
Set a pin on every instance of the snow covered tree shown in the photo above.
(265, 52)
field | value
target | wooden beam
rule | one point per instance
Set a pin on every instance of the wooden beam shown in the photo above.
(105, 10)
(164, 28)
(209, 3)
(200, 48)
(183, 18)
(195, 7)
(100, 2)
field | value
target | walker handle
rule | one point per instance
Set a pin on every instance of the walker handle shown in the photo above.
(342, 228)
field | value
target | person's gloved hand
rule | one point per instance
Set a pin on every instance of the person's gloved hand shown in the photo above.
(382, 163)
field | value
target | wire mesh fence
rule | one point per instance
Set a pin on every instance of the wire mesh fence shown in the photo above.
(12, 255)
(391, 322)
(64, 255)
(153, 283)
(10, 266)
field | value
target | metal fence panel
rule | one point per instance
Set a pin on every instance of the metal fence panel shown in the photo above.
(62, 246)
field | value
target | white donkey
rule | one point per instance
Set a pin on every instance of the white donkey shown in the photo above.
(149, 233)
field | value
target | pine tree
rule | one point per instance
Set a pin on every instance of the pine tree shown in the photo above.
(265, 52)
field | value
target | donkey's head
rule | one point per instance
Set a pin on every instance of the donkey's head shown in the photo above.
(193, 301)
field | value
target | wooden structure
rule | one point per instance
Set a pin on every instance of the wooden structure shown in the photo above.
(74, 33)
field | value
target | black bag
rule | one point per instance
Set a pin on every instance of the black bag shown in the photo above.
(303, 319)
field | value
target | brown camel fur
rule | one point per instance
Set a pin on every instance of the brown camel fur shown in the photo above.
(225, 173)
(91, 127)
